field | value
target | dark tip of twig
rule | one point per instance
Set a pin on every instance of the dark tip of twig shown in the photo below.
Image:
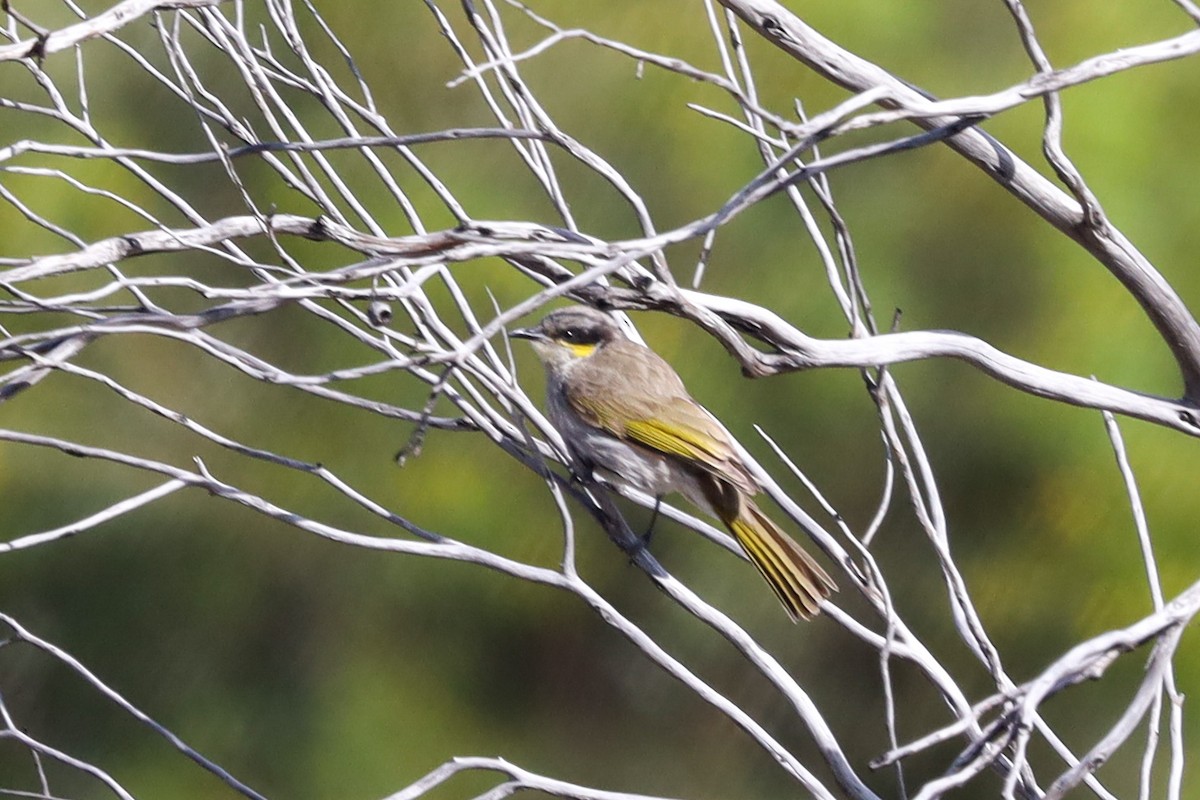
(415, 442)
(413, 449)
(13, 388)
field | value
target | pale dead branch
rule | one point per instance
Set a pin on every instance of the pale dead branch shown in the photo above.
(397, 242)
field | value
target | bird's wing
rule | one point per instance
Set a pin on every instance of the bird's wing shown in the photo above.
(660, 415)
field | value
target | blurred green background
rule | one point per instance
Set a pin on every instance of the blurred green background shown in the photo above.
(313, 670)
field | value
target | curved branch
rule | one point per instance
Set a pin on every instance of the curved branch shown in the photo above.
(519, 779)
(1164, 307)
(720, 316)
(74, 664)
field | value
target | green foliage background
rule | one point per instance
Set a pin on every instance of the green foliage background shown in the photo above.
(311, 670)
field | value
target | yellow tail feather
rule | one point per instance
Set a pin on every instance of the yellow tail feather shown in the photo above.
(797, 580)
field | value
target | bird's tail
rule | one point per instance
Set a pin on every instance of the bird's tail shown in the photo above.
(797, 580)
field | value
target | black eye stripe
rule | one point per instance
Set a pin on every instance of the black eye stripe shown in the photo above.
(577, 334)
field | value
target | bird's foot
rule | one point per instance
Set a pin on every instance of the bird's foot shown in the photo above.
(653, 519)
(641, 543)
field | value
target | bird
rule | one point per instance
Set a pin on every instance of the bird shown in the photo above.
(626, 416)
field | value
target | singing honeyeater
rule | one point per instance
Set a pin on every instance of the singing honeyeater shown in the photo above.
(625, 414)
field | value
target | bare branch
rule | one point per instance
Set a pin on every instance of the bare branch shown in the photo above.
(294, 233)
(1166, 310)
(102, 24)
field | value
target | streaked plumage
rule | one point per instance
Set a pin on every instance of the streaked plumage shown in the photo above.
(625, 413)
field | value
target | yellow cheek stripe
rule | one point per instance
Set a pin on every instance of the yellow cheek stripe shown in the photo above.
(580, 350)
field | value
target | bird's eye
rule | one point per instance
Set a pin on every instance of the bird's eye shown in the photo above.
(570, 335)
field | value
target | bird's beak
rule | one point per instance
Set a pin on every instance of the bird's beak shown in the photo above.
(534, 334)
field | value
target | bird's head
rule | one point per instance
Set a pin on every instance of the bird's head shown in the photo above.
(569, 334)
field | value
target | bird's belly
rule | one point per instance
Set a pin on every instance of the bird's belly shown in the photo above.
(616, 461)
(629, 465)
